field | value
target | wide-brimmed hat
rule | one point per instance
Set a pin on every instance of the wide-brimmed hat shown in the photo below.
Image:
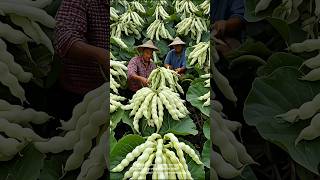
(177, 41)
(148, 44)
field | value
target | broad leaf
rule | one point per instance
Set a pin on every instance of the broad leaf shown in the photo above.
(52, 166)
(247, 174)
(206, 129)
(116, 117)
(112, 141)
(124, 146)
(251, 47)
(206, 152)
(27, 166)
(277, 94)
(196, 90)
(279, 60)
(281, 26)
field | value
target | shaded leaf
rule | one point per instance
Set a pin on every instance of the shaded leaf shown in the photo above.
(27, 166)
(277, 94)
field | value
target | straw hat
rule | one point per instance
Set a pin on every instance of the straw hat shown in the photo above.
(149, 44)
(177, 41)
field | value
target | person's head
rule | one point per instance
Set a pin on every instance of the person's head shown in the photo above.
(177, 44)
(178, 48)
(147, 49)
(147, 54)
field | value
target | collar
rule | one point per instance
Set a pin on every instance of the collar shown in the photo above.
(143, 61)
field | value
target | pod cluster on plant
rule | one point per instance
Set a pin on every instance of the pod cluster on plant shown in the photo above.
(117, 72)
(292, 11)
(130, 22)
(186, 7)
(150, 104)
(306, 111)
(166, 154)
(205, 6)
(163, 77)
(206, 96)
(115, 102)
(194, 25)
(15, 123)
(200, 54)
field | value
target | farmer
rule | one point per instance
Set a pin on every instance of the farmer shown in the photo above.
(81, 36)
(176, 58)
(227, 17)
(140, 67)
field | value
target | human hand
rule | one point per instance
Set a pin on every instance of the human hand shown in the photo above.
(168, 66)
(219, 28)
(178, 70)
(144, 81)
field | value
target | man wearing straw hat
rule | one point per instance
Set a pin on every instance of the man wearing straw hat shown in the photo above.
(140, 67)
(176, 58)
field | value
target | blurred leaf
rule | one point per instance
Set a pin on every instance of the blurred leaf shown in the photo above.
(27, 166)
(276, 94)
(278, 60)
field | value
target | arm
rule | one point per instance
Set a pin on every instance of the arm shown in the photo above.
(183, 69)
(70, 32)
(167, 61)
(236, 21)
(132, 73)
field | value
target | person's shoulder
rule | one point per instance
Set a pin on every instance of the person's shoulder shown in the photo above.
(171, 52)
(135, 59)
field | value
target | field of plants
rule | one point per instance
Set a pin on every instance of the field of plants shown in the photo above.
(262, 105)
(33, 143)
(275, 80)
(163, 131)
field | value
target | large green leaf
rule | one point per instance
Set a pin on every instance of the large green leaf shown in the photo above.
(291, 33)
(281, 26)
(251, 47)
(116, 117)
(112, 140)
(124, 146)
(27, 166)
(277, 60)
(196, 90)
(52, 167)
(247, 174)
(206, 129)
(277, 94)
(206, 152)
(250, 14)
(185, 126)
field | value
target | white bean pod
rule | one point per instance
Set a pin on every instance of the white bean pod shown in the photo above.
(18, 132)
(12, 35)
(32, 13)
(13, 67)
(81, 108)
(93, 167)
(10, 146)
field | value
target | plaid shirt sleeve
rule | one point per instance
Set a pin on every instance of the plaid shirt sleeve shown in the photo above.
(71, 25)
(132, 68)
